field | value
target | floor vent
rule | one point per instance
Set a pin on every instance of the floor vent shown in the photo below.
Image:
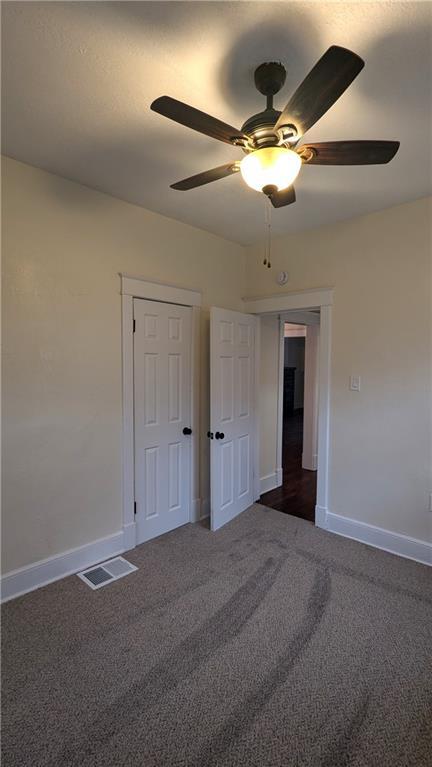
(106, 572)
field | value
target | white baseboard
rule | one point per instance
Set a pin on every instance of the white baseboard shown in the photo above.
(271, 481)
(321, 517)
(25, 579)
(129, 536)
(313, 465)
(395, 543)
(196, 510)
(20, 581)
(200, 509)
(205, 508)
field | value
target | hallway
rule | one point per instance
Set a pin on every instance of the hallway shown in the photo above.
(297, 494)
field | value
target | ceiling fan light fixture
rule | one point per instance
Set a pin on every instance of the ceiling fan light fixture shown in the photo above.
(272, 166)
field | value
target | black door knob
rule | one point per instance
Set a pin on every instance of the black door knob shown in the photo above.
(219, 435)
(186, 430)
(210, 434)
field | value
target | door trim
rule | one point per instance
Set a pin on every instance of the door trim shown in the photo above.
(134, 287)
(320, 298)
(158, 291)
(285, 302)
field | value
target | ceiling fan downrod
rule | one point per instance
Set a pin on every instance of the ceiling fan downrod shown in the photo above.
(269, 79)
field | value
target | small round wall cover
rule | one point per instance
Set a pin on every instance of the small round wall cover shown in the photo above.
(282, 278)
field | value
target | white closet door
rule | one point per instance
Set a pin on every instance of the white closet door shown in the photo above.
(232, 372)
(162, 398)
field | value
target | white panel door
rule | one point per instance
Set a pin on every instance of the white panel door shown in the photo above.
(232, 372)
(162, 413)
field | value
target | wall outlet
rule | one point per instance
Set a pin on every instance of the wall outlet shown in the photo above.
(354, 383)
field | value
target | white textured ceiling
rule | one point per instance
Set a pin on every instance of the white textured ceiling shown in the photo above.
(78, 80)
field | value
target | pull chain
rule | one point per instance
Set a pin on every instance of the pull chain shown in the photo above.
(267, 246)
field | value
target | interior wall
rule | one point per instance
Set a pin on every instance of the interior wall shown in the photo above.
(380, 267)
(63, 247)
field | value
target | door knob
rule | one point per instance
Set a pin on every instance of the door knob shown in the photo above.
(210, 434)
(186, 430)
(219, 435)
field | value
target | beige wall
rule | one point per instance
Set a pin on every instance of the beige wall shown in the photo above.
(380, 266)
(63, 246)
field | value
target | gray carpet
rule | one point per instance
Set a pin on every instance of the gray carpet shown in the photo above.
(268, 643)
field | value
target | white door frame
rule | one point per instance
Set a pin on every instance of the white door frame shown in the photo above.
(136, 287)
(322, 299)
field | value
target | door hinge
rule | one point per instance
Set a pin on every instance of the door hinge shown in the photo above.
(134, 507)
(134, 326)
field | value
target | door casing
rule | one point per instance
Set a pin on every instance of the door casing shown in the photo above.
(322, 299)
(134, 287)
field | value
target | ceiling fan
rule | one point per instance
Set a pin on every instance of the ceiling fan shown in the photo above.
(269, 138)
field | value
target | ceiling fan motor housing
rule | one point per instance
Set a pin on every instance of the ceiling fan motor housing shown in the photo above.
(260, 128)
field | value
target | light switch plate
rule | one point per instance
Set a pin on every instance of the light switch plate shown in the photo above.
(355, 383)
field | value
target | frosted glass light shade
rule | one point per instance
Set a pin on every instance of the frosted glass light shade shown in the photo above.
(270, 166)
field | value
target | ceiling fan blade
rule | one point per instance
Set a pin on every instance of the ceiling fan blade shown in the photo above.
(205, 178)
(328, 79)
(199, 121)
(350, 152)
(285, 197)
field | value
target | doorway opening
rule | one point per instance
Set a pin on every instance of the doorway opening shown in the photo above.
(298, 414)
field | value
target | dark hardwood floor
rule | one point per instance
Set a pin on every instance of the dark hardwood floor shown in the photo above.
(297, 493)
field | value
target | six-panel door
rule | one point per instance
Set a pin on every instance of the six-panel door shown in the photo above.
(232, 349)
(162, 409)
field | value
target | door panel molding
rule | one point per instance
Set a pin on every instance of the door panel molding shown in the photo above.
(162, 417)
(233, 344)
(134, 287)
